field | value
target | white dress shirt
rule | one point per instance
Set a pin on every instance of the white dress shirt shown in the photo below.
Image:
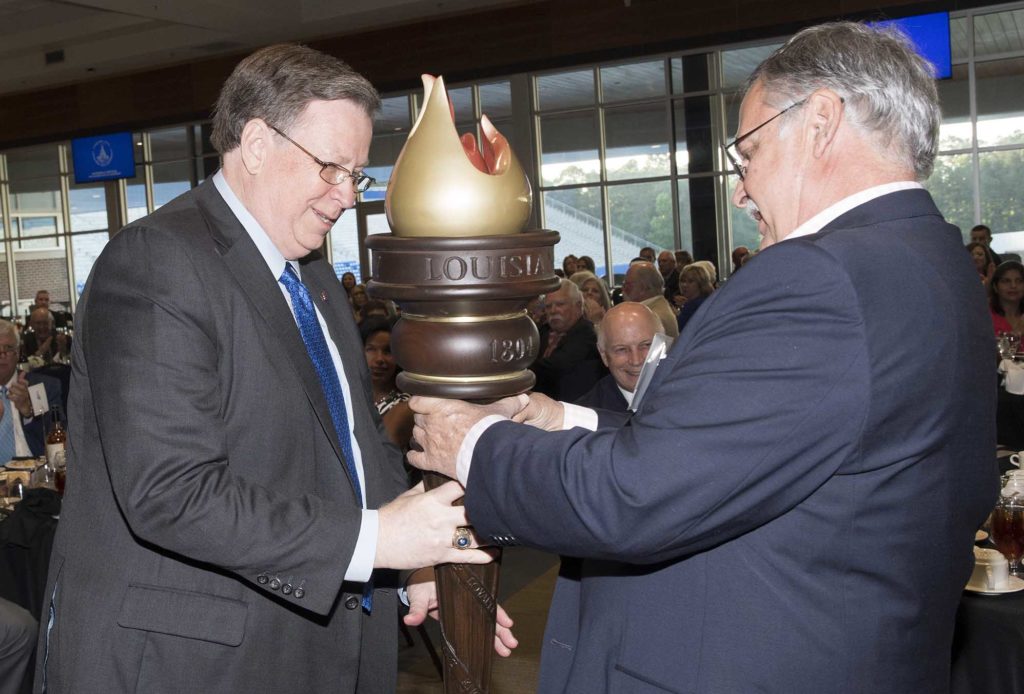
(21, 448)
(361, 566)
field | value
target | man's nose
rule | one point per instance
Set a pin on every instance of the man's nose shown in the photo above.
(344, 193)
(739, 195)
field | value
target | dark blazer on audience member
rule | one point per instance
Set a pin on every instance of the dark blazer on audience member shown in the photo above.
(605, 395)
(575, 365)
(797, 496)
(205, 475)
(671, 285)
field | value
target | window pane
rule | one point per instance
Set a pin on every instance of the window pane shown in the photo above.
(39, 232)
(33, 162)
(36, 194)
(1000, 98)
(40, 270)
(954, 96)
(88, 207)
(496, 100)
(690, 74)
(738, 65)
(5, 293)
(391, 127)
(694, 150)
(576, 214)
(1002, 198)
(462, 100)
(565, 90)
(641, 215)
(952, 187)
(637, 144)
(744, 229)
(85, 248)
(569, 149)
(345, 246)
(636, 81)
(959, 38)
(169, 144)
(136, 198)
(169, 181)
(999, 32)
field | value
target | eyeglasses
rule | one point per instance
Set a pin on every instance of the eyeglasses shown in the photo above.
(6, 349)
(734, 159)
(332, 173)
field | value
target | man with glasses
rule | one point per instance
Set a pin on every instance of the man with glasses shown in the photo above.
(231, 507)
(792, 507)
(22, 434)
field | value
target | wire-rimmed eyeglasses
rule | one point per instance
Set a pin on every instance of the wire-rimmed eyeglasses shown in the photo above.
(333, 173)
(734, 159)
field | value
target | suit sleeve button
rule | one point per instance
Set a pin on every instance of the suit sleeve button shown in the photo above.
(262, 579)
(299, 593)
(275, 583)
(352, 603)
(286, 589)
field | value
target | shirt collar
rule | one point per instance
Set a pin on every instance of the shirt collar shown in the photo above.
(821, 220)
(274, 258)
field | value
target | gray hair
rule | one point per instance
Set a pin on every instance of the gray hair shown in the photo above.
(575, 295)
(889, 89)
(700, 274)
(647, 276)
(7, 328)
(276, 84)
(653, 322)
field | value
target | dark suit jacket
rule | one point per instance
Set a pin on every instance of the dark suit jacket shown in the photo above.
(605, 395)
(793, 507)
(575, 365)
(205, 474)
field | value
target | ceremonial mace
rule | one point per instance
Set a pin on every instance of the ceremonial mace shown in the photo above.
(462, 269)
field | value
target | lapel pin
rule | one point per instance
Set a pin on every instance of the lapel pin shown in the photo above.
(323, 295)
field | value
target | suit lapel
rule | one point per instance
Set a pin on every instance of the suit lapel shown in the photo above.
(250, 271)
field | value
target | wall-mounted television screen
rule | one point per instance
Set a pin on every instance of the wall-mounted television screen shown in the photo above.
(930, 34)
(103, 157)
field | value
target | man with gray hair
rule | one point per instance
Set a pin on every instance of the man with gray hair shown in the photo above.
(644, 284)
(567, 363)
(793, 507)
(623, 340)
(231, 510)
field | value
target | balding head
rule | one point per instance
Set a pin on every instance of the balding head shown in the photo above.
(624, 338)
(642, 282)
(666, 263)
(41, 322)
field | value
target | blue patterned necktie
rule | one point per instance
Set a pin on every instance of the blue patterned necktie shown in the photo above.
(316, 346)
(7, 449)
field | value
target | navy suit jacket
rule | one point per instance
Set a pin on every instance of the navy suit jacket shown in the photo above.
(605, 395)
(573, 367)
(793, 507)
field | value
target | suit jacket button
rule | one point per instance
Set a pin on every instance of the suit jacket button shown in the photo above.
(299, 593)
(352, 603)
(286, 589)
(262, 579)
(275, 583)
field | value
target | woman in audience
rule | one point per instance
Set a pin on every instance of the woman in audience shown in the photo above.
(984, 262)
(596, 299)
(585, 262)
(348, 280)
(695, 285)
(1006, 298)
(390, 401)
(358, 297)
(569, 265)
(710, 268)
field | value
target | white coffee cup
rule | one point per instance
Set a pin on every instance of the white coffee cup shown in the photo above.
(991, 570)
(1017, 457)
(1015, 380)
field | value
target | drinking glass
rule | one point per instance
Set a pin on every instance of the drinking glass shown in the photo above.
(1008, 530)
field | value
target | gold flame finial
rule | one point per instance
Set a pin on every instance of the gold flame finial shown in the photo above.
(443, 186)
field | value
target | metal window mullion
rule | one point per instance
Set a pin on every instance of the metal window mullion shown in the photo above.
(602, 174)
(972, 86)
(5, 210)
(147, 171)
(65, 216)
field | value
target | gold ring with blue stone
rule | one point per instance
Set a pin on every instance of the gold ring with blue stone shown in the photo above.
(462, 539)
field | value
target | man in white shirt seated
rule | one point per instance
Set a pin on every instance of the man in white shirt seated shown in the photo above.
(21, 433)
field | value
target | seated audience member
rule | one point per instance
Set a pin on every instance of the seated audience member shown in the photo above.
(42, 299)
(647, 254)
(695, 286)
(42, 340)
(984, 262)
(537, 311)
(1006, 298)
(374, 308)
(644, 284)
(358, 297)
(391, 402)
(739, 256)
(981, 233)
(596, 300)
(669, 275)
(567, 364)
(711, 269)
(623, 340)
(569, 265)
(348, 281)
(17, 644)
(585, 262)
(28, 432)
(683, 258)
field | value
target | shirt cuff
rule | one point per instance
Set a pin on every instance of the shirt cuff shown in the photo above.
(465, 457)
(361, 565)
(576, 416)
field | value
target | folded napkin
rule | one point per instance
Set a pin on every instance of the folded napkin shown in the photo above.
(1013, 376)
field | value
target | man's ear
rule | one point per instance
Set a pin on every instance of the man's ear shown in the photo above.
(254, 146)
(826, 109)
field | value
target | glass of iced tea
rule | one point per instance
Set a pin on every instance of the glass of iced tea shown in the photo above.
(1008, 530)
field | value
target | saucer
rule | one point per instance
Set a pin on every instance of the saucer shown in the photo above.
(21, 465)
(980, 536)
(1015, 584)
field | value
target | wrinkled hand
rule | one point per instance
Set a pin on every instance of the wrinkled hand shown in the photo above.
(423, 603)
(62, 343)
(542, 412)
(18, 395)
(416, 530)
(441, 425)
(592, 310)
(45, 347)
(679, 300)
